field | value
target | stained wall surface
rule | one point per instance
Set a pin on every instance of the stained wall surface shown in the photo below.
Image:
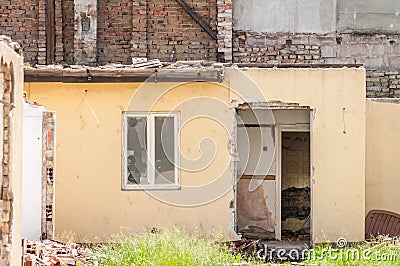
(317, 16)
(89, 150)
(337, 97)
(89, 200)
(369, 16)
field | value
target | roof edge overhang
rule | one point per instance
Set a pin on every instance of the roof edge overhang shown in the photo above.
(82, 74)
(94, 75)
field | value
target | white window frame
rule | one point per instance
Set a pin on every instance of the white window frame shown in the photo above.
(150, 132)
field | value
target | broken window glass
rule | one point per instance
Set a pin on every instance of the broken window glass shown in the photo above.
(150, 144)
(164, 150)
(137, 151)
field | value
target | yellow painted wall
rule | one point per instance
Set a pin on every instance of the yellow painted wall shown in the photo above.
(382, 156)
(89, 200)
(338, 181)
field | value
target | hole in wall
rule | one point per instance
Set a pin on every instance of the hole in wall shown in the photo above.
(338, 40)
(392, 42)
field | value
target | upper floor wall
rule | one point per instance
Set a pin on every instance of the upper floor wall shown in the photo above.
(98, 32)
(317, 16)
(368, 16)
(312, 16)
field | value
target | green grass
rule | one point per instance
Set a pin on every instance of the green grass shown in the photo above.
(163, 247)
(176, 247)
(381, 251)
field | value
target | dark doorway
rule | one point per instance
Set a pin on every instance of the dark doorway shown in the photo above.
(295, 186)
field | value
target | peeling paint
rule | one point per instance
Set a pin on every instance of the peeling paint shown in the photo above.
(255, 219)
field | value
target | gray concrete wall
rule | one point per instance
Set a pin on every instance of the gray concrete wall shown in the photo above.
(369, 16)
(297, 16)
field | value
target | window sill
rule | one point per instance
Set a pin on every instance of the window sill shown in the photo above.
(150, 187)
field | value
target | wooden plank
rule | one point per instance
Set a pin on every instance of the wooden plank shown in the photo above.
(197, 18)
(98, 75)
(50, 32)
(298, 65)
(264, 177)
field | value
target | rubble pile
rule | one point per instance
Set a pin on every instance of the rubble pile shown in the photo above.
(299, 235)
(137, 63)
(245, 246)
(54, 253)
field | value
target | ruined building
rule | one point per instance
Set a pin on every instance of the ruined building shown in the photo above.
(301, 63)
(241, 31)
(11, 86)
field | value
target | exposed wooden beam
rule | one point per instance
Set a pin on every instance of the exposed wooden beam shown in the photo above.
(262, 177)
(50, 32)
(120, 75)
(198, 18)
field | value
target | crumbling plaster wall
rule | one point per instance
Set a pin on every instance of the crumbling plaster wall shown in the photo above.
(11, 84)
(337, 97)
(315, 16)
(95, 171)
(367, 33)
(85, 32)
(379, 53)
(368, 16)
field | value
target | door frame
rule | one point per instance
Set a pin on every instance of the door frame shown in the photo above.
(278, 184)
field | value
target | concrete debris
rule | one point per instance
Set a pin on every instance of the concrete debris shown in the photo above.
(54, 253)
(299, 235)
(137, 63)
(245, 247)
(13, 45)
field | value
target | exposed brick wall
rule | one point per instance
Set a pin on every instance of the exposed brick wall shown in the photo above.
(58, 17)
(139, 29)
(48, 168)
(163, 29)
(383, 84)
(68, 30)
(114, 27)
(376, 52)
(6, 196)
(126, 29)
(41, 53)
(19, 20)
(225, 23)
(154, 29)
(170, 28)
(266, 48)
